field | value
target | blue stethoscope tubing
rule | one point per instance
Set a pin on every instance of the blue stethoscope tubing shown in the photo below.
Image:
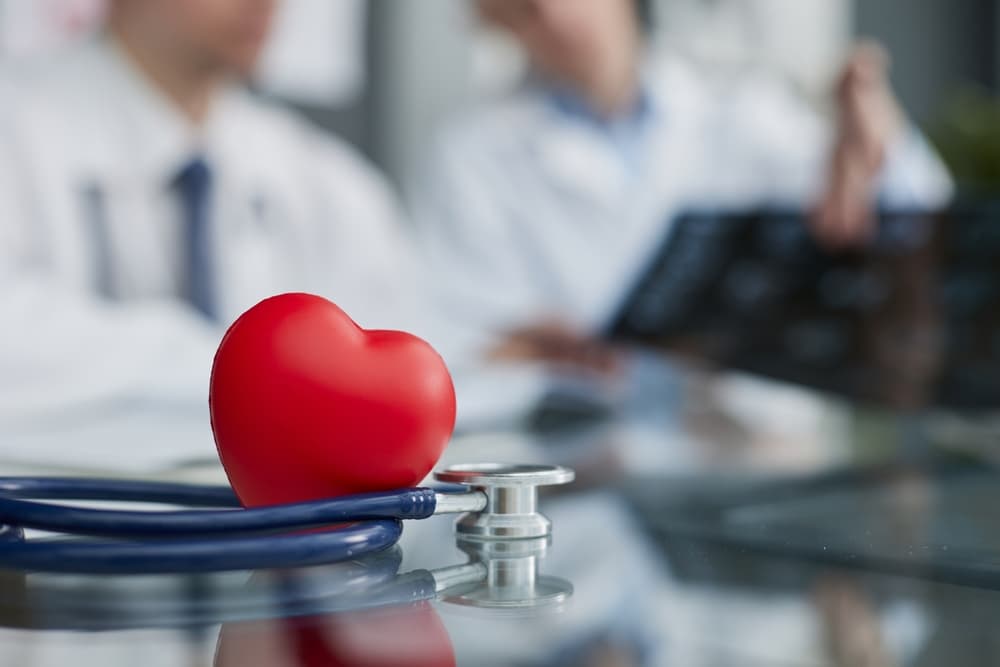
(190, 540)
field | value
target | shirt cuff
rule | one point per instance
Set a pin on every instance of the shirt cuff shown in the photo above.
(913, 176)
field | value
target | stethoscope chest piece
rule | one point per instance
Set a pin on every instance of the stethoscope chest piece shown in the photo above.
(511, 492)
(511, 580)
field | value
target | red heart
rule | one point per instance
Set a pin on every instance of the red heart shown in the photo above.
(306, 404)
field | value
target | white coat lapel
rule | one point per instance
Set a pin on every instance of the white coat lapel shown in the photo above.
(672, 159)
(582, 162)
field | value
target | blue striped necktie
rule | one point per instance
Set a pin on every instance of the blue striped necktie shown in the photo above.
(194, 187)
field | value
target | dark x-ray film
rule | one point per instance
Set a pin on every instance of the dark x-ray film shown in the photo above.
(910, 320)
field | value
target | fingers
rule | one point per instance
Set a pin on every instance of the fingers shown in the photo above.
(869, 114)
(867, 125)
(871, 54)
(839, 224)
(868, 63)
(559, 345)
(845, 216)
(869, 120)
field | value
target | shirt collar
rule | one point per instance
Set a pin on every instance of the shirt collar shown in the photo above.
(163, 140)
(569, 104)
(625, 134)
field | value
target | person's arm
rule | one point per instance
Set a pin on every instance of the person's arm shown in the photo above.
(869, 156)
(363, 256)
(478, 275)
(461, 239)
(481, 280)
(64, 351)
(878, 157)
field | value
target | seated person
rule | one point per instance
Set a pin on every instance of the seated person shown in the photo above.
(147, 199)
(538, 211)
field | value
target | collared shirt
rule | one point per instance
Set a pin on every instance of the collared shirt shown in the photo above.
(532, 209)
(292, 208)
(626, 131)
(86, 142)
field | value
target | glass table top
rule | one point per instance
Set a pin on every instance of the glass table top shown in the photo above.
(744, 523)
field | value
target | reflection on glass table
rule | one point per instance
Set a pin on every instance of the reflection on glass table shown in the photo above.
(499, 574)
(641, 595)
(932, 521)
(487, 602)
(272, 610)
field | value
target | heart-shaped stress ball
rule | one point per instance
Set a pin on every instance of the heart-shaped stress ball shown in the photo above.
(306, 404)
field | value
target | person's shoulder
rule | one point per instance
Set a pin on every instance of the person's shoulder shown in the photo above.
(50, 78)
(682, 85)
(521, 108)
(493, 126)
(689, 87)
(282, 129)
(284, 139)
(54, 97)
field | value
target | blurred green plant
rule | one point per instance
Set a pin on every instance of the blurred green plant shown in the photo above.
(967, 134)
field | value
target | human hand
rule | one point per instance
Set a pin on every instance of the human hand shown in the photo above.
(557, 343)
(869, 120)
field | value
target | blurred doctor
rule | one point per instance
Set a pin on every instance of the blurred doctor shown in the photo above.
(147, 198)
(539, 210)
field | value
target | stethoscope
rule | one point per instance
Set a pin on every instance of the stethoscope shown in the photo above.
(501, 503)
(502, 576)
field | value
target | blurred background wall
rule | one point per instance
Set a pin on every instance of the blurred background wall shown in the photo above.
(936, 46)
(431, 58)
(414, 63)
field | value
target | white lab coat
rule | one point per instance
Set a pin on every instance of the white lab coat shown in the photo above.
(292, 209)
(528, 213)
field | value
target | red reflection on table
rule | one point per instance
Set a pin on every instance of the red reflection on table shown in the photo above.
(413, 636)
